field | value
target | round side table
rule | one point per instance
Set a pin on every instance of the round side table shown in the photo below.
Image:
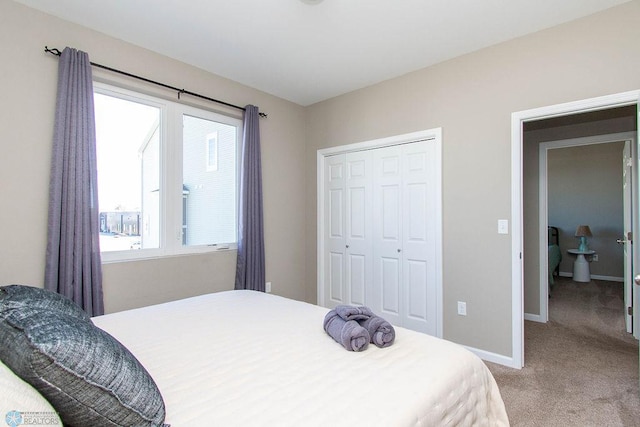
(581, 265)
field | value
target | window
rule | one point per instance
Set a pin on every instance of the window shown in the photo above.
(167, 176)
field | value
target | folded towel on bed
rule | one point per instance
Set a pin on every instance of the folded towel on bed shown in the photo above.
(381, 332)
(352, 312)
(349, 333)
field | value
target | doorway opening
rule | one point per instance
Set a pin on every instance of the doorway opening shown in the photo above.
(520, 252)
(579, 181)
(585, 181)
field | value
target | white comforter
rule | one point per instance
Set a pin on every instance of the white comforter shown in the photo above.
(245, 358)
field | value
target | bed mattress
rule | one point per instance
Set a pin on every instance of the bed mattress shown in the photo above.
(245, 358)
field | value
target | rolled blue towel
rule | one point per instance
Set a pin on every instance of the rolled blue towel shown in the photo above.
(352, 312)
(349, 333)
(381, 332)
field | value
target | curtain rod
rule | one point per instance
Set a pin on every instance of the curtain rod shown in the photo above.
(57, 52)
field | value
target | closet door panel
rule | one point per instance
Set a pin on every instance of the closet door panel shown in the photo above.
(418, 246)
(335, 234)
(336, 277)
(390, 286)
(387, 223)
(416, 204)
(336, 211)
(358, 225)
(416, 290)
(357, 247)
(357, 279)
(390, 213)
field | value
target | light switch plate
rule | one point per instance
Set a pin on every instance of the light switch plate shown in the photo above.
(462, 308)
(503, 226)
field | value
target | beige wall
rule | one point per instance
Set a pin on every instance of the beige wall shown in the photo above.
(472, 98)
(28, 78)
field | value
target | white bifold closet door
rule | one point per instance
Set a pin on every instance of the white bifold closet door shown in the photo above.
(379, 230)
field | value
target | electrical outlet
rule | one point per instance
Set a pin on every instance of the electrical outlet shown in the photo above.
(594, 257)
(267, 287)
(462, 308)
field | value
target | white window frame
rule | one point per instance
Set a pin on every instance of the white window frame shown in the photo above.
(171, 226)
(212, 164)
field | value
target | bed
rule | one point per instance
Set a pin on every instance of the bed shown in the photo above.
(555, 255)
(246, 358)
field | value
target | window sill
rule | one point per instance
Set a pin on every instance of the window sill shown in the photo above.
(155, 254)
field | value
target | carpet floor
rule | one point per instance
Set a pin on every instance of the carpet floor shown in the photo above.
(581, 368)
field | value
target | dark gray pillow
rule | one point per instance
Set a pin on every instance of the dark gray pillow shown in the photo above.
(15, 297)
(89, 377)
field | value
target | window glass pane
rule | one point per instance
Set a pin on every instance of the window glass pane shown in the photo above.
(127, 142)
(209, 182)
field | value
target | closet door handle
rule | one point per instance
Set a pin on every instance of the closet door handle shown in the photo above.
(399, 250)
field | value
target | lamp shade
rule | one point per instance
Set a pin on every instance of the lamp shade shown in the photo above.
(583, 231)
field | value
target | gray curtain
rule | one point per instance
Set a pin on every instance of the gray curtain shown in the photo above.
(250, 267)
(73, 267)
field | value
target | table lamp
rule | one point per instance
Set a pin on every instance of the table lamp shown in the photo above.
(583, 231)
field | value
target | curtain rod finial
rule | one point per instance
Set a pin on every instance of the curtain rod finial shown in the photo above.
(54, 51)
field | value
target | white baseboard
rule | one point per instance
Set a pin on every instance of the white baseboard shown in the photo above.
(493, 357)
(595, 276)
(533, 317)
(608, 278)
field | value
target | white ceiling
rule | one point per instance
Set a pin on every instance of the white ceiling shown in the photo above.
(305, 52)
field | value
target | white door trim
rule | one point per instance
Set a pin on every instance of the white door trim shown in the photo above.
(517, 121)
(543, 216)
(430, 134)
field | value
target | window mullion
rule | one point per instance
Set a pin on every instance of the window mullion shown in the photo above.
(173, 193)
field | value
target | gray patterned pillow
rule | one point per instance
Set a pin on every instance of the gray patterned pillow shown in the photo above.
(89, 377)
(15, 297)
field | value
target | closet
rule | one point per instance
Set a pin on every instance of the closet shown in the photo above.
(380, 227)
